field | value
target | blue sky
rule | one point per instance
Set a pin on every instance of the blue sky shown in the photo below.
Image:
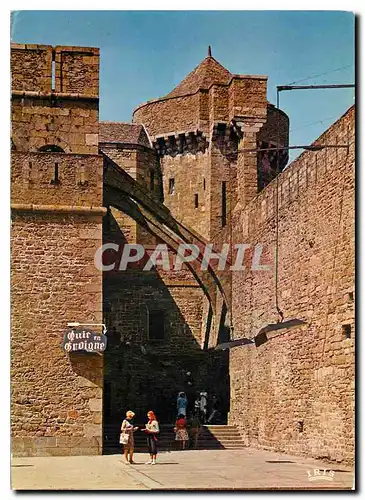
(145, 54)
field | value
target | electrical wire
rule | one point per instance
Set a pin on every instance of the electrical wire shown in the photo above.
(320, 74)
(313, 123)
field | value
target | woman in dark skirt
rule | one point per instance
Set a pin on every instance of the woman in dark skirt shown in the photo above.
(152, 429)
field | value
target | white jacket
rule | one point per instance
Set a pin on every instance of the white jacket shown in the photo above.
(153, 427)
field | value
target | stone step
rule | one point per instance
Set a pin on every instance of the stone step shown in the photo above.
(219, 433)
(207, 435)
(219, 428)
(210, 440)
(210, 437)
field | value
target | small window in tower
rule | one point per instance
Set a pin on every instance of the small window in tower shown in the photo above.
(171, 186)
(204, 184)
(224, 203)
(152, 180)
(56, 179)
(196, 200)
(82, 177)
(346, 330)
(30, 176)
(156, 325)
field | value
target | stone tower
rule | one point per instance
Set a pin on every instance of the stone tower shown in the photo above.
(56, 201)
(200, 131)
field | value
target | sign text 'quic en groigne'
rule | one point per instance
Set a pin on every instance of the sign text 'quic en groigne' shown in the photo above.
(79, 339)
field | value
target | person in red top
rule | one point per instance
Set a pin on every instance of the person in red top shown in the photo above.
(152, 429)
(180, 431)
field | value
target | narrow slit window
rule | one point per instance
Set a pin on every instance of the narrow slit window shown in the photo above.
(204, 184)
(346, 330)
(152, 180)
(30, 176)
(156, 325)
(56, 179)
(171, 186)
(83, 180)
(224, 203)
(196, 200)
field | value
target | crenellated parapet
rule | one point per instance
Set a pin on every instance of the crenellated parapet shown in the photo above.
(62, 69)
(176, 143)
(221, 133)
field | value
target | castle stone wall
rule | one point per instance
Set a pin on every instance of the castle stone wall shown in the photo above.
(79, 179)
(31, 67)
(190, 173)
(295, 393)
(247, 97)
(56, 201)
(276, 127)
(139, 162)
(56, 397)
(179, 114)
(77, 70)
(65, 116)
(70, 124)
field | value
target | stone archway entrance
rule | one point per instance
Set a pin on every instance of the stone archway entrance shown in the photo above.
(144, 368)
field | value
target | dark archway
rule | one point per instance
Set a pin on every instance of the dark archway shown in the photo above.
(141, 375)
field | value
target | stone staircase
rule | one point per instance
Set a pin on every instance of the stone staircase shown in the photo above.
(211, 437)
(220, 437)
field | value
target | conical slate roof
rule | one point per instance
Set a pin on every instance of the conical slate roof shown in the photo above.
(203, 76)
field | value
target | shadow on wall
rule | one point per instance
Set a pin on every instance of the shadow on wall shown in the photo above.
(89, 366)
(154, 346)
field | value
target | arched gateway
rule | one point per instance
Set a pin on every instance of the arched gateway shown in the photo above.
(160, 321)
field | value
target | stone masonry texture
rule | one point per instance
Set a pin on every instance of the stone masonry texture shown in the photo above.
(186, 170)
(57, 211)
(56, 397)
(305, 375)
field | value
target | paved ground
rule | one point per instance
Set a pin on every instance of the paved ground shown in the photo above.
(195, 470)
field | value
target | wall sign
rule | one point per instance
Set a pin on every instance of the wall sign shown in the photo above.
(81, 339)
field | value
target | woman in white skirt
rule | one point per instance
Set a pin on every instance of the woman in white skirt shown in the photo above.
(181, 433)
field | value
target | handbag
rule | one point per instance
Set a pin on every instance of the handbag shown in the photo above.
(124, 438)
